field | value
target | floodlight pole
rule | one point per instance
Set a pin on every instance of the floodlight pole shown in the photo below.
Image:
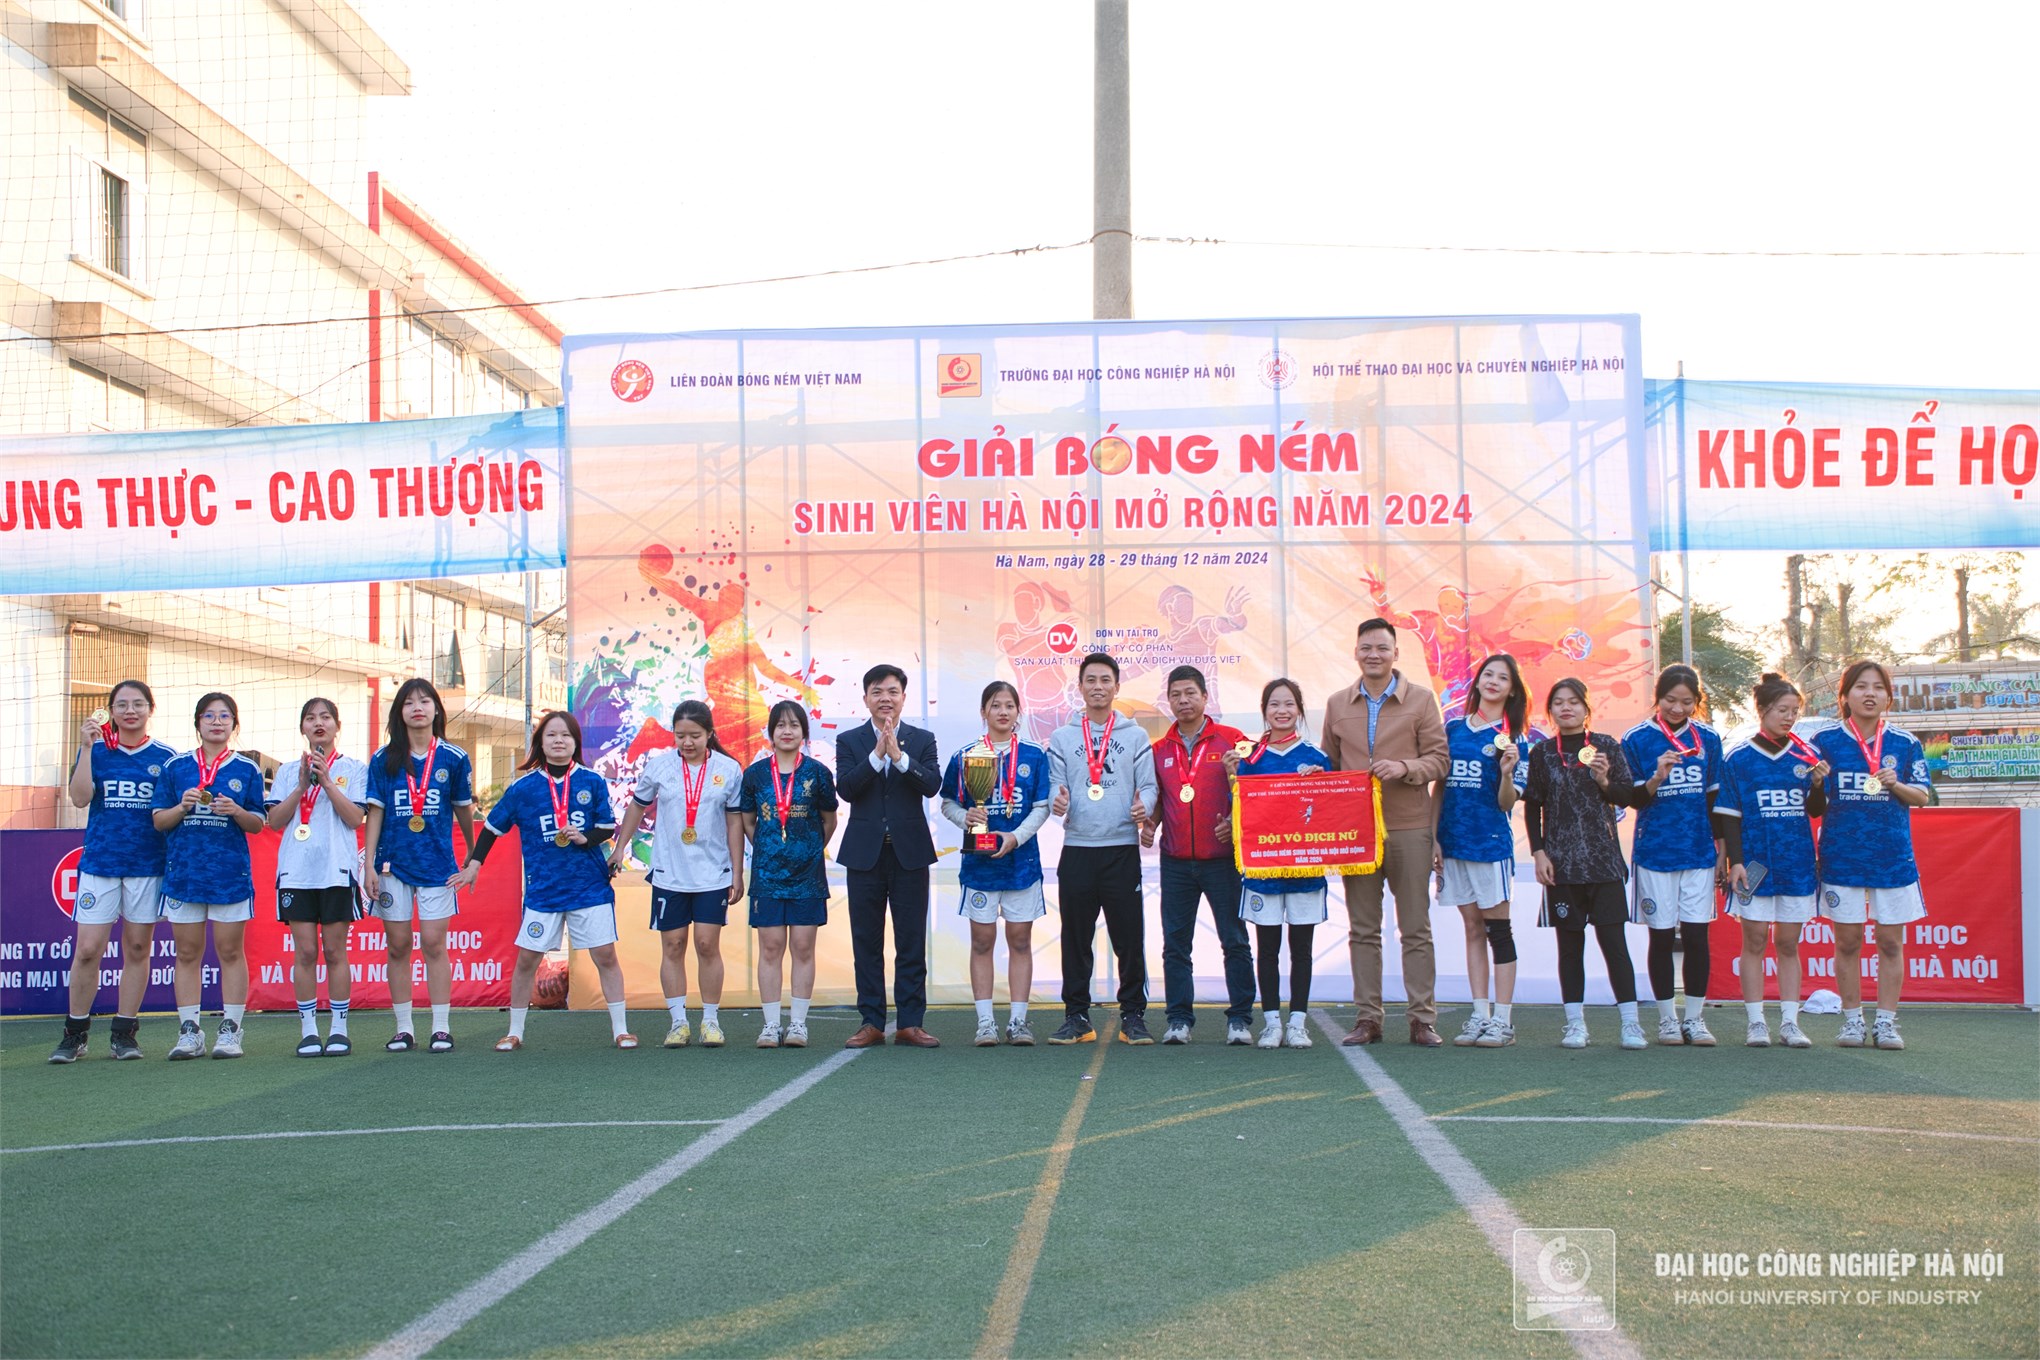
(1111, 168)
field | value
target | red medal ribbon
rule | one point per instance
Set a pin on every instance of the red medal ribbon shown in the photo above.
(419, 785)
(110, 734)
(308, 796)
(1010, 780)
(1586, 744)
(1873, 756)
(782, 795)
(691, 789)
(1676, 746)
(1803, 749)
(1255, 755)
(559, 789)
(1190, 770)
(1094, 759)
(206, 772)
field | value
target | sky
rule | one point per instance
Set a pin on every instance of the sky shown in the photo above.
(1813, 192)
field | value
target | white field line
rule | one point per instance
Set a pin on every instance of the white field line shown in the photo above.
(361, 1133)
(1491, 1213)
(437, 1324)
(1729, 1124)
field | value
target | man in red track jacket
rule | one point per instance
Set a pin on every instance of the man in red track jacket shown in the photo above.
(1197, 859)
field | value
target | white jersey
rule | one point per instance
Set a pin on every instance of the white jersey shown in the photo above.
(704, 864)
(331, 856)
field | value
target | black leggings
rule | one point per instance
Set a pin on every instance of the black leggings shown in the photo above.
(1572, 961)
(1662, 942)
(1268, 964)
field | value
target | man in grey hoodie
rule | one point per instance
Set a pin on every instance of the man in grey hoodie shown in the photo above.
(1103, 773)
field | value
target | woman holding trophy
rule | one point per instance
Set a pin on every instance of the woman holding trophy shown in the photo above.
(998, 793)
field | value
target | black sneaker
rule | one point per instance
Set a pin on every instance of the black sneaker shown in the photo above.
(124, 1042)
(310, 1047)
(1076, 1029)
(1133, 1030)
(71, 1047)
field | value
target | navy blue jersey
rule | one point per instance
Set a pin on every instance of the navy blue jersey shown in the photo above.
(1768, 793)
(1672, 832)
(1471, 823)
(423, 859)
(1285, 762)
(1866, 836)
(121, 840)
(1031, 788)
(207, 859)
(558, 877)
(789, 861)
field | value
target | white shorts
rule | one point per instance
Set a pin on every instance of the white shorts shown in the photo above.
(399, 898)
(1786, 910)
(198, 913)
(1664, 899)
(1482, 882)
(1303, 907)
(1885, 906)
(587, 928)
(102, 901)
(984, 906)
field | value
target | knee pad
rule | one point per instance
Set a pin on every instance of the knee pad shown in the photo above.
(1501, 940)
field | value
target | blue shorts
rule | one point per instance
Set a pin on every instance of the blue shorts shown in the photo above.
(673, 909)
(789, 911)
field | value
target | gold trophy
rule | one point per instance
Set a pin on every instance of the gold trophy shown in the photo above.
(980, 773)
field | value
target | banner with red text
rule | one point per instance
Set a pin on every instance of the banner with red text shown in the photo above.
(287, 505)
(1812, 467)
(1295, 825)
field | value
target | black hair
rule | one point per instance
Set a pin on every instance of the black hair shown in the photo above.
(1516, 706)
(1577, 686)
(700, 714)
(1771, 688)
(535, 756)
(780, 710)
(1855, 673)
(1281, 682)
(306, 711)
(1374, 625)
(994, 688)
(884, 670)
(1187, 673)
(114, 693)
(1677, 674)
(207, 701)
(399, 748)
(1098, 659)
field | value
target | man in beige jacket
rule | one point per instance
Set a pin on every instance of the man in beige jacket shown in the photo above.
(1392, 727)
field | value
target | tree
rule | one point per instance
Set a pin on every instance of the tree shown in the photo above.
(1728, 663)
(1994, 624)
(1828, 621)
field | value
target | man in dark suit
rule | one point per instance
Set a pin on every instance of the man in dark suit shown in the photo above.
(885, 771)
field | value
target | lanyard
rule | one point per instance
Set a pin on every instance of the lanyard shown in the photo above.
(206, 773)
(1676, 744)
(1802, 749)
(559, 789)
(308, 796)
(1010, 779)
(782, 795)
(423, 783)
(1873, 755)
(1094, 758)
(691, 789)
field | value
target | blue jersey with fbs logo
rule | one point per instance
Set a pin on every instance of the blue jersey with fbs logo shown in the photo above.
(1022, 868)
(1672, 831)
(207, 855)
(1471, 823)
(1866, 834)
(558, 877)
(121, 840)
(423, 859)
(1768, 794)
(1284, 762)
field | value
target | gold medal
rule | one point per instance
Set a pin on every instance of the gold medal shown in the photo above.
(303, 832)
(560, 839)
(1243, 749)
(100, 717)
(1095, 793)
(1186, 794)
(205, 797)
(416, 823)
(687, 836)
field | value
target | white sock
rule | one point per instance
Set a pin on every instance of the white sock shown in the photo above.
(1273, 1019)
(1791, 1009)
(1628, 1009)
(771, 1009)
(800, 1005)
(187, 1013)
(984, 1010)
(1853, 1013)
(234, 1013)
(400, 1011)
(1886, 1017)
(676, 1006)
(711, 1012)
(517, 1014)
(1020, 1011)
(339, 1016)
(1667, 1008)
(1756, 1011)
(307, 1018)
(1694, 1006)
(442, 1018)
(1297, 1019)
(1502, 1009)
(1480, 1007)
(617, 1023)
(1576, 1012)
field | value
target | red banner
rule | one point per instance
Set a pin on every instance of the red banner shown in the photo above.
(1285, 825)
(1969, 947)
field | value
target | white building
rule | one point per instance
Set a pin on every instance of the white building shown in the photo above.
(190, 237)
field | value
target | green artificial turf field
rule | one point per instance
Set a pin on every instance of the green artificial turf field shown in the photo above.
(1097, 1200)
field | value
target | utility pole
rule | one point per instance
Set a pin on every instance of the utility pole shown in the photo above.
(1111, 169)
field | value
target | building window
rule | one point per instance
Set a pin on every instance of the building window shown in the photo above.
(100, 403)
(498, 393)
(110, 236)
(111, 161)
(428, 372)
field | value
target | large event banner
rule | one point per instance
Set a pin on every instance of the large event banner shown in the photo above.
(765, 515)
(282, 505)
(1806, 466)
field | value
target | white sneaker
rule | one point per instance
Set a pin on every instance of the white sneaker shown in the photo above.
(987, 1034)
(678, 1036)
(1496, 1034)
(190, 1042)
(1470, 1033)
(1851, 1035)
(1239, 1032)
(1697, 1033)
(227, 1043)
(1792, 1036)
(1759, 1035)
(1176, 1034)
(1632, 1035)
(1669, 1030)
(711, 1034)
(796, 1036)
(1887, 1035)
(768, 1037)
(1575, 1035)
(1271, 1034)
(1298, 1035)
